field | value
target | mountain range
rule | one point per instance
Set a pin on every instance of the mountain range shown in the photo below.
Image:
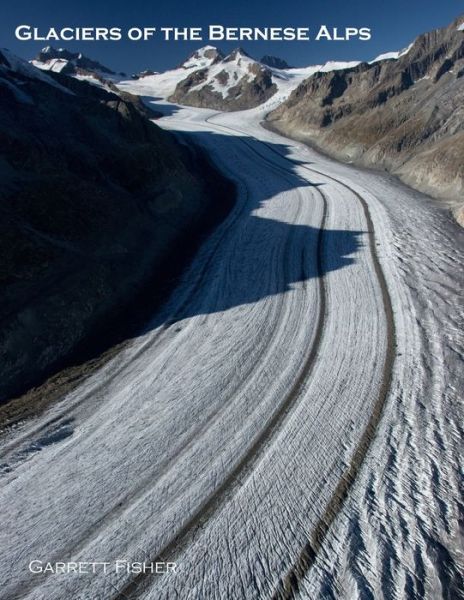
(206, 79)
(401, 111)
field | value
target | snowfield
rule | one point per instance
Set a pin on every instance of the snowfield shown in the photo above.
(289, 425)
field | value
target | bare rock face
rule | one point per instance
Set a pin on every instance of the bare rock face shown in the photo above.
(404, 114)
(236, 82)
(223, 77)
(194, 79)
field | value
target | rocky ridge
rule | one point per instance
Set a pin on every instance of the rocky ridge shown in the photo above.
(404, 113)
(95, 203)
(274, 62)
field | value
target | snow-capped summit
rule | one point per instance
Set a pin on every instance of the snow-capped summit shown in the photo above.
(203, 57)
(233, 82)
(71, 63)
(237, 54)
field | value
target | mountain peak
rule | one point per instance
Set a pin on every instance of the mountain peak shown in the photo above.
(52, 59)
(207, 48)
(203, 57)
(237, 53)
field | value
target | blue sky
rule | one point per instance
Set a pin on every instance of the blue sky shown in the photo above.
(394, 24)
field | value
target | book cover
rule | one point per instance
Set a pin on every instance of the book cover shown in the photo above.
(231, 318)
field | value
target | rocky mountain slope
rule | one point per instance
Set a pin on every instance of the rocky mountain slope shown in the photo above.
(404, 112)
(94, 204)
(274, 62)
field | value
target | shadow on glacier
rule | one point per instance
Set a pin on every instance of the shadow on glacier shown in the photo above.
(159, 105)
(239, 257)
(284, 257)
(251, 257)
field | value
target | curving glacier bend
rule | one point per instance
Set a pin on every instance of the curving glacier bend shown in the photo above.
(290, 424)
